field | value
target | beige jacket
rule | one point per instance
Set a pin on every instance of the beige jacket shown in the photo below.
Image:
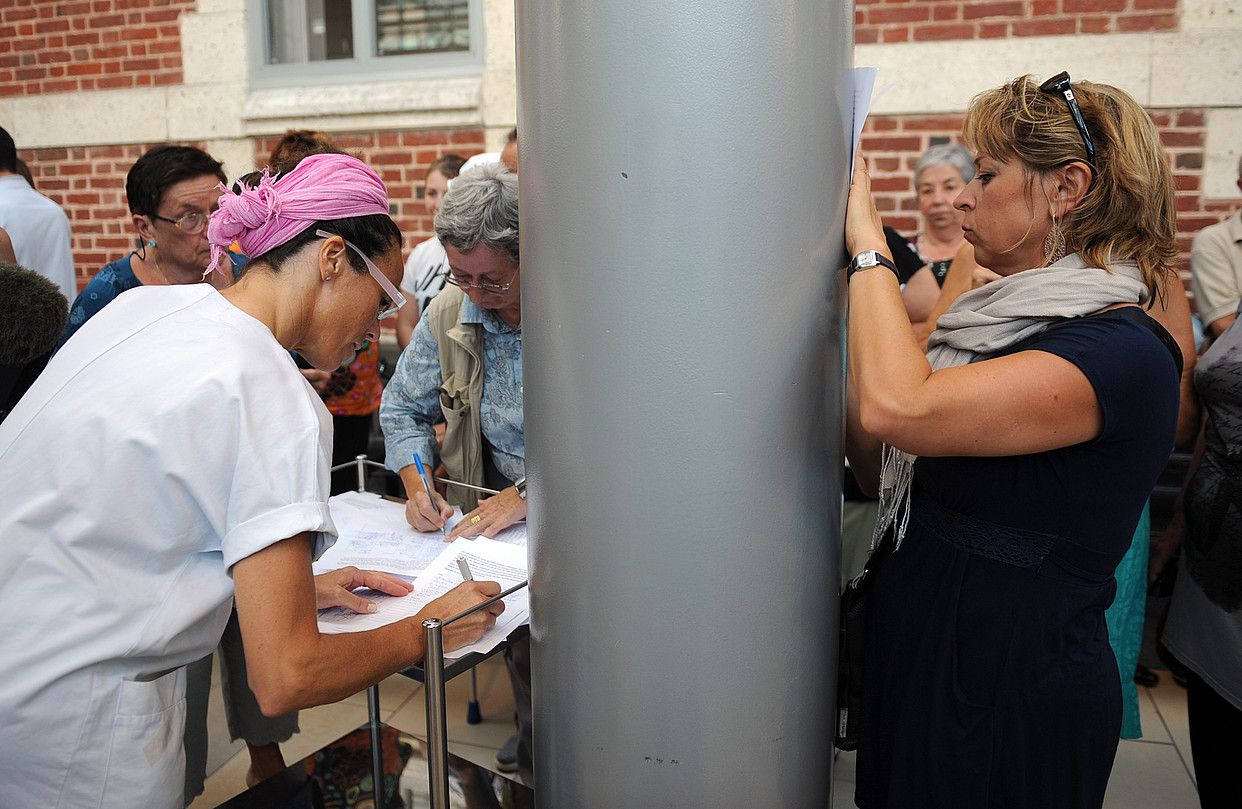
(461, 392)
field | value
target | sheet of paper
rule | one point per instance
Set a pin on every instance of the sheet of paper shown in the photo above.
(403, 554)
(864, 84)
(488, 560)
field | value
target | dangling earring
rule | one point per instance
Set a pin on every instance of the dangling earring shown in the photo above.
(1054, 242)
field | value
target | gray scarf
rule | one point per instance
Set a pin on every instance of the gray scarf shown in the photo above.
(992, 318)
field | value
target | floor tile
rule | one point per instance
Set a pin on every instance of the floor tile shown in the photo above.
(1170, 702)
(1154, 728)
(843, 766)
(1149, 776)
(842, 794)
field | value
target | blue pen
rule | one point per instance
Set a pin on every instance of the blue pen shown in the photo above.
(422, 473)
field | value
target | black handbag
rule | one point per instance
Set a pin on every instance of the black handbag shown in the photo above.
(850, 652)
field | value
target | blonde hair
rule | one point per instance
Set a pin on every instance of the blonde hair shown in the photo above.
(1128, 213)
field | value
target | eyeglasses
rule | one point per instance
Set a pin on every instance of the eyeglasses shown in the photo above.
(393, 299)
(482, 285)
(191, 223)
(1060, 85)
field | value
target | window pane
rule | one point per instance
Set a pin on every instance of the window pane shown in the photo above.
(309, 30)
(421, 26)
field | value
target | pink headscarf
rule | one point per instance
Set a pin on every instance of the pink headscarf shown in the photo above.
(321, 187)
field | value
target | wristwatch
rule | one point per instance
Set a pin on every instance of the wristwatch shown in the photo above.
(520, 485)
(868, 259)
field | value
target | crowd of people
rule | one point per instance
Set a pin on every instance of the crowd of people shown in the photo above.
(1019, 372)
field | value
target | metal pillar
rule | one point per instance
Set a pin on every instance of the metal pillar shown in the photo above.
(683, 187)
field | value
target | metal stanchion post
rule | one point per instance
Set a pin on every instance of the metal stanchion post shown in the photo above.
(437, 724)
(377, 752)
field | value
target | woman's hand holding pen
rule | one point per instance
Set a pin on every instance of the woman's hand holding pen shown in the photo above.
(424, 515)
(493, 515)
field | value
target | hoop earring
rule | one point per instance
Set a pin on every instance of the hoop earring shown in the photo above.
(1054, 242)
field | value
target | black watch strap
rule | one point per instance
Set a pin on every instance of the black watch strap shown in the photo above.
(871, 258)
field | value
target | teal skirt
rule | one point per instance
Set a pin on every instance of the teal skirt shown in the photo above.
(1125, 622)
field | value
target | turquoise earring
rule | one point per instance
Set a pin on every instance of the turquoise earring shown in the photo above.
(151, 243)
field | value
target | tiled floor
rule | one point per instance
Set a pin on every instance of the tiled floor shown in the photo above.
(1149, 773)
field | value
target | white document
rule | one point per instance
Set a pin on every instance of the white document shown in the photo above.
(489, 560)
(372, 533)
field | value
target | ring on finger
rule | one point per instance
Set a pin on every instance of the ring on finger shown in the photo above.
(476, 519)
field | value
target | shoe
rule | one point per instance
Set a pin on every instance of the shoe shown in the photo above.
(507, 755)
(1146, 677)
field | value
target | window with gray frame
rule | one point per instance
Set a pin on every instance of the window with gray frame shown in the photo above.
(313, 38)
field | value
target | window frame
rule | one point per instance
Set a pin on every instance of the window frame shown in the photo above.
(366, 62)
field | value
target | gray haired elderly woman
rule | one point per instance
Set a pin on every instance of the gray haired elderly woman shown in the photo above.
(939, 176)
(463, 366)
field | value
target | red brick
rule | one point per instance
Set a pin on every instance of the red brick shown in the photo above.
(1181, 138)
(51, 26)
(1044, 8)
(866, 36)
(1186, 182)
(890, 184)
(1154, 5)
(1189, 118)
(1095, 25)
(106, 21)
(1008, 8)
(85, 69)
(1152, 22)
(1045, 27)
(891, 144)
(947, 123)
(1093, 6)
(896, 34)
(891, 14)
(946, 11)
(993, 30)
(931, 33)
(114, 82)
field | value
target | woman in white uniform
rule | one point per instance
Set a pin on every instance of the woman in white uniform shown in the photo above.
(178, 459)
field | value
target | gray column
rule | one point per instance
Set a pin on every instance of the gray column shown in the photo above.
(683, 187)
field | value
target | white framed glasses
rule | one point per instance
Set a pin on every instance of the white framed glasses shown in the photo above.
(394, 300)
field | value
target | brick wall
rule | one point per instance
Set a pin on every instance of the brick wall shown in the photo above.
(57, 46)
(893, 144)
(89, 183)
(928, 20)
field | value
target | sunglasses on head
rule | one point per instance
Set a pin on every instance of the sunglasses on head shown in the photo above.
(1060, 85)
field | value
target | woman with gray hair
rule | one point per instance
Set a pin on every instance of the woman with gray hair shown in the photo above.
(939, 176)
(464, 365)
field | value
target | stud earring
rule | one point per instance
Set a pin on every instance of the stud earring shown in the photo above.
(151, 243)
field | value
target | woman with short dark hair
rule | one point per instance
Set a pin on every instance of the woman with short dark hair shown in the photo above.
(171, 460)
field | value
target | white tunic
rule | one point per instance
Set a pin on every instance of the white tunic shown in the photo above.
(40, 233)
(172, 437)
(422, 280)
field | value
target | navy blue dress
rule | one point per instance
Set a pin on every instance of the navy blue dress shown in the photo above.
(989, 677)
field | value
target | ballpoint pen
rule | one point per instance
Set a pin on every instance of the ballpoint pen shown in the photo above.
(464, 567)
(422, 473)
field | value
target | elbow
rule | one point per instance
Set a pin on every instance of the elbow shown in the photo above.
(882, 419)
(281, 689)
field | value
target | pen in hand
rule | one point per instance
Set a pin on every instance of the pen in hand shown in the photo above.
(422, 473)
